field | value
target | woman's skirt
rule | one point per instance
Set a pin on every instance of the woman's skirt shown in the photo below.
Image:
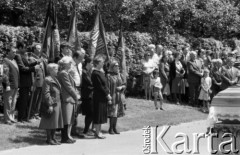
(99, 112)
(87, 107)
(178, 86)
(68, 110)
(55, 121)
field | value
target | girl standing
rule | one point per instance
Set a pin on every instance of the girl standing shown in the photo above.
(157, 86)
(206, 83)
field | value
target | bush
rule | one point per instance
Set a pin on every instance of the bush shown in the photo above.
(207, 44)
(9, 35)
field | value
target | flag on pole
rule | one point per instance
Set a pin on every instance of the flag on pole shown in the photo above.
(51, 40)
(122, 55)
(73, 39)
(97, 45)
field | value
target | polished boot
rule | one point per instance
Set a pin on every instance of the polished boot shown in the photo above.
(115, 125)
(110, 131)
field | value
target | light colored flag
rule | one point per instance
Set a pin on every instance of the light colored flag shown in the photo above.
(97, 45)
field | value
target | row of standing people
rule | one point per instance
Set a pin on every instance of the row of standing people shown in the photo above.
(22, 67)
(190, 76)
(102, 97)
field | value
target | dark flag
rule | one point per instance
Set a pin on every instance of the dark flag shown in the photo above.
(97, 45)
(51, 40)
(73, 39)
(121, 54)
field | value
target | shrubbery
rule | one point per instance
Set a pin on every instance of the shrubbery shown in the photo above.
(136, 42)
(9, 35)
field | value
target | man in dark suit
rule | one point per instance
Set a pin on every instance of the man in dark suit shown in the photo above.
(230, 74)
(26, 81)
(184, 60)
(194, 77)
(10, 95)
(64, 51)
(38, 77)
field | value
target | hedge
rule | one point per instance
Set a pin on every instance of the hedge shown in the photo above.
(136, 42)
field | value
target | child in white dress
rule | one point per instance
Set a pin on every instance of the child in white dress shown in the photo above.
(157, 86)
(206, 83)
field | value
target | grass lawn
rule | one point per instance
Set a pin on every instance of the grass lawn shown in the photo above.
(139, 113)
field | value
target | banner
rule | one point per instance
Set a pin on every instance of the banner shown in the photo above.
(122, 55)
(51, 40)
(97, 45)
(73, 39)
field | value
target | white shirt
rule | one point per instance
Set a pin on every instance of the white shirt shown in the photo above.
(148, 66)
(156, 59)
(76, 73)
(156, 82)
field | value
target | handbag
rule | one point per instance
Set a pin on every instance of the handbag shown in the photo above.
(44, 111)
(166, 90)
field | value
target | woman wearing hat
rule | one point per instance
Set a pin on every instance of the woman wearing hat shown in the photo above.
(69, 98)
(117, 87)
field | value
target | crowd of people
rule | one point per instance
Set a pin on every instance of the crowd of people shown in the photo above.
(57, 92)
(188, 76)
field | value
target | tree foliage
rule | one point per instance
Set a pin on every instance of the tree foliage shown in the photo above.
(198, 18)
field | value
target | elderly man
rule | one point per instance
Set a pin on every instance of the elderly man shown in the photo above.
(194, 77)
(76, 72)
(10, 93)
(25, 70)
(38, 77)
(230, 74)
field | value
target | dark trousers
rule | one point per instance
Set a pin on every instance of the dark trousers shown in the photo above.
(23, 100)
(36, 102)
(186, 95)
(194, 93)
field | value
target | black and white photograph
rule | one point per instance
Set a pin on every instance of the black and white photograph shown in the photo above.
(119, 77)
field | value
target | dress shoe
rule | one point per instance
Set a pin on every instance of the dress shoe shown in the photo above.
(110, 131)
(90, 133)
(67, 141)
(51, 142)
(8, 122)
(37, 117)
(57, 142)
(73, 140)
(13, 121)
(99, 137)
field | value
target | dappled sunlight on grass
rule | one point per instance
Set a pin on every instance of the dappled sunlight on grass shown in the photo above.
(139, 113)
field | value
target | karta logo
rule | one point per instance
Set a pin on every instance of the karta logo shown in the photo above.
(152, 139)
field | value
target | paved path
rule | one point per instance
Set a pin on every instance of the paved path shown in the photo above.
(128, 143)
